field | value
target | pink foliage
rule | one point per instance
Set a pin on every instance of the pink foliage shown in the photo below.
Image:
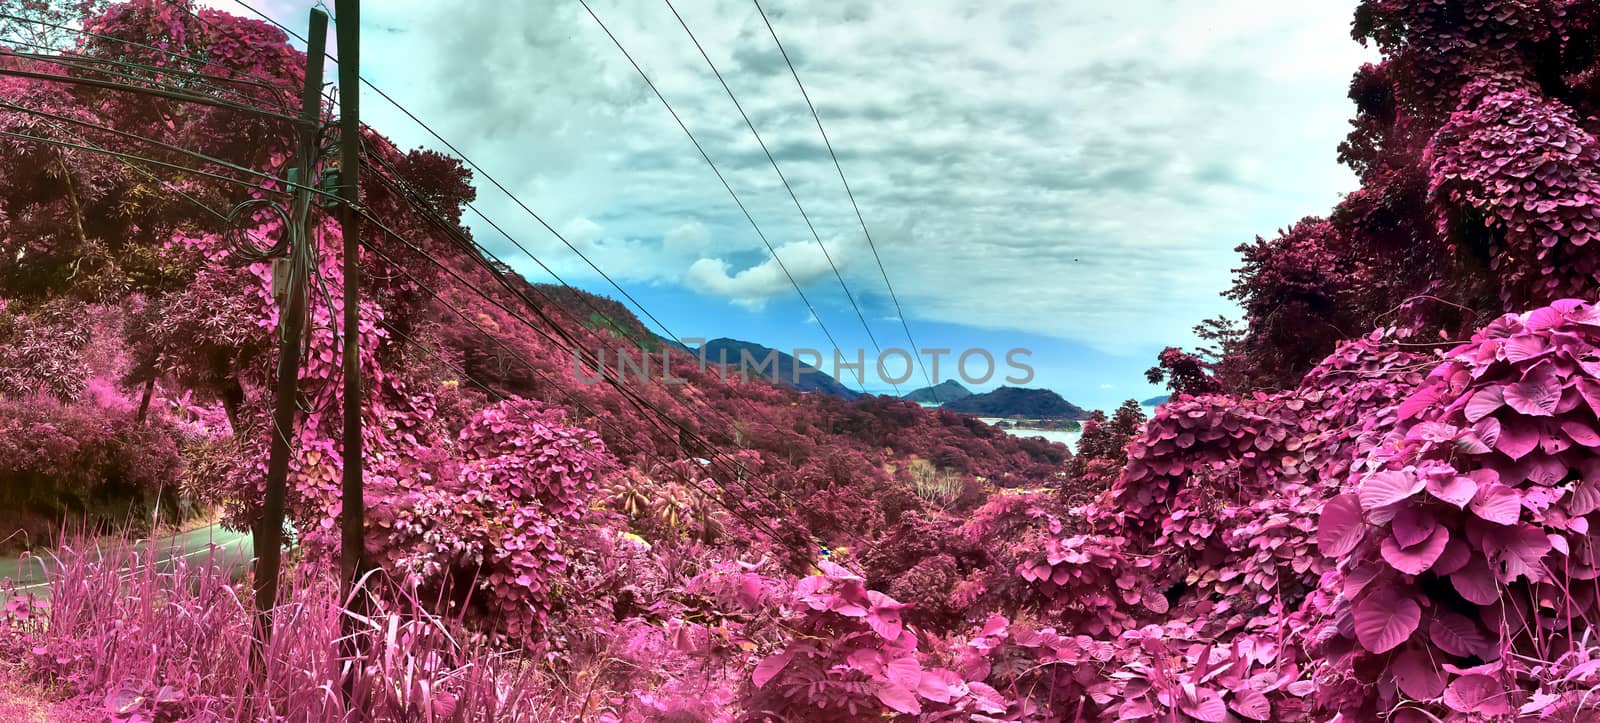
(1464, 536)
(488, 519)
(1526, 170)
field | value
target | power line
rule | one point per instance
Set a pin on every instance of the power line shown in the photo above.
(760, 526)
(131, 157)
(477, 253)
(423, 205)
(407, 112)
(774, 161)
(250, 80)
(481, 255)
(469, 246)
(491, 179)
(158, 92)
(470, 206)
(87, 63)
(632, 397)
(829, 144)
(159, 144)
(437, 357)
(720, 177)
(128, 159)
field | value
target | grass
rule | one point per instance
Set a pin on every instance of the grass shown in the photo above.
(131, 632)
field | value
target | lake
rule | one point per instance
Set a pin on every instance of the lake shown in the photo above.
(1069, 438)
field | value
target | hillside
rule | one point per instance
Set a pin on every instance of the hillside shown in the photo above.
(1155, 401)
(948, 390)
(1376, 498)
(753, 357)
(1018, 402)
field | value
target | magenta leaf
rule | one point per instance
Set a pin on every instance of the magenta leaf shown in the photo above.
(1476, 583)
(1585, 497)
(1589, 389)
(1526, 346)
(1456, 490)
(1384, 619)
(1498, 503)
(1517, 552)
(1340, 528)
(1204, 705)
(1412, 525)
(1388, 487)
(1538, 393)
(884, 615)
(1455, 555)
(1477, 694)
(905, 672)
(1252, 704)
(988, 699)
(1417, 675)
(1416, 559)
(1517, 438)
(1419, 402)
(899, 698)
(750, 590)
(770, 667)
(1484, 402)
(940, 685)
(1457, 635)
(1581, 432)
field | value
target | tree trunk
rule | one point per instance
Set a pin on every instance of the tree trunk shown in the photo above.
(232, 402)
(144, 400)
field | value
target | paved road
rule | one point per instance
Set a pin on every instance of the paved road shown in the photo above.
(233, 550)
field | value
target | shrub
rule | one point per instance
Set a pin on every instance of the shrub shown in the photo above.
(1463, 542)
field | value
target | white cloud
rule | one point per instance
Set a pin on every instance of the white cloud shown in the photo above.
(1076, 169)
(688, 238)
(802, 261)
(583, 232)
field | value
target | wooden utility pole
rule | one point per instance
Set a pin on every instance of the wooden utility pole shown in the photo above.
(352, 531)
(268, 531)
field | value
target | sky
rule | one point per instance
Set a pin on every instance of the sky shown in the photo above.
(1068, 178)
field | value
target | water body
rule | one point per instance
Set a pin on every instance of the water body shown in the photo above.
(1069, 438)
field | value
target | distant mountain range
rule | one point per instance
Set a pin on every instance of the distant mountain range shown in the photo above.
(948, 390)
(1018, 402)
(1155, 401)
(1013, 402)
(811, 378)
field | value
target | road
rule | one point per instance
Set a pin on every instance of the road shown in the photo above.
(233, 549)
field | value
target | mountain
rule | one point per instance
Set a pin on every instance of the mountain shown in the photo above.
(1155, 401)
(946, 391)
(1018, 402)
(756, 365)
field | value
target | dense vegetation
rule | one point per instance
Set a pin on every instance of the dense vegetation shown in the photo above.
(1370, 500)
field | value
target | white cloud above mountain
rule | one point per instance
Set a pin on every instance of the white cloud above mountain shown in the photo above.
(1090, 164)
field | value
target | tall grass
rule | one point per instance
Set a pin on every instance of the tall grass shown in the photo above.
(140, 632)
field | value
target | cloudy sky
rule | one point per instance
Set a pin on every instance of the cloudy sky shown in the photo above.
(1066, 177)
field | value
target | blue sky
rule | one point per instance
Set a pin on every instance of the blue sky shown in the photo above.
(1065, 177)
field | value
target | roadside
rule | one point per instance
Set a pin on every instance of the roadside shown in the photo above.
(31, 572)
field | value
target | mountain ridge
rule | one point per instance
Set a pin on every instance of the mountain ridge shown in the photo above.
(1018, 402)
(783, 369)
(945, 391)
